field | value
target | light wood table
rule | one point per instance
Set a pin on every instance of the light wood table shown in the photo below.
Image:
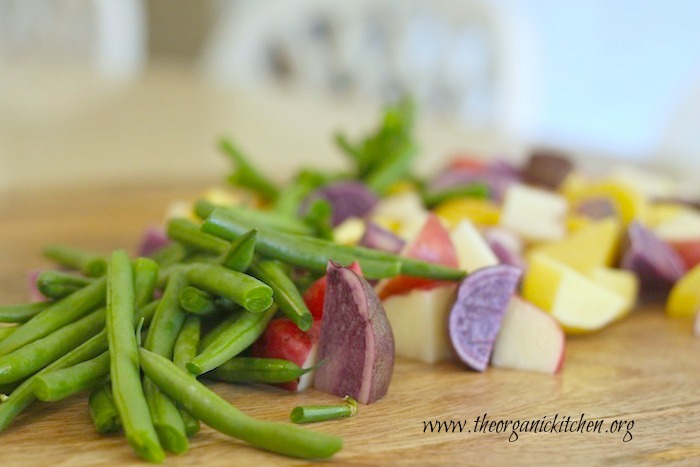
(645, 369)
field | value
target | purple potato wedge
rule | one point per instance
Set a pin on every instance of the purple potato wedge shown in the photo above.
(356, 344)
(379, 238)
(347, 199)
(476, 316)
(657, 265)
(547, 168)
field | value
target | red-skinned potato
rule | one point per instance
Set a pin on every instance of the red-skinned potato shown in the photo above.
(688, 250)
(316, 294)
(356, 346)
(432, 244)
(284, 339)
(530, 339)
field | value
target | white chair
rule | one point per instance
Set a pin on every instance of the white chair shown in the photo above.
(465, 59)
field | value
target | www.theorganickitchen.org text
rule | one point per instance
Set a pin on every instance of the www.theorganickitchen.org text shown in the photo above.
(547, 424)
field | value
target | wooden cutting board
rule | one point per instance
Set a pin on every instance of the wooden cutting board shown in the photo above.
(644, 370)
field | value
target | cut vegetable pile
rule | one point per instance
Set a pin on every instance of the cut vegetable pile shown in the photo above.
(323, 281)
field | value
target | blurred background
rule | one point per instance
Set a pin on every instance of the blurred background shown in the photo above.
(93, 91)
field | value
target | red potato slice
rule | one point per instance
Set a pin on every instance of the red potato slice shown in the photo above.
(284, 339)
(689, 251)
(530, 339)
(433, 244)
(316, 294)
(356, 344)
(475, 318)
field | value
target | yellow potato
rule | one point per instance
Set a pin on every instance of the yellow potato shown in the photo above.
(479, 211)
(577, 302)
(684, 299)
(586, 249)
(622, 282)
(630, 204)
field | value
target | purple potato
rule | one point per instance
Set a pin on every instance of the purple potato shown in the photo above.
(547, 168)
(356, 344)
(476, 316)
(347, 199)
(152, 240)
(379, 238)
(657, 265)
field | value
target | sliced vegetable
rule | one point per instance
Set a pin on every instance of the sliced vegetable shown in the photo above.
(476, 316)
(284, 340)
(356, 342)
(656, 264)
(207, 406)
(347, 199)
(322, 413)
(379, 238)
(433, 245)
(547, 168)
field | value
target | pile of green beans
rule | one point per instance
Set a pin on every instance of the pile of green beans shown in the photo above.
(83, 338)
(138, 334)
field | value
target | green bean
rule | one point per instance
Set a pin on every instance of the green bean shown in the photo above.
(187, 342)
(187, 232)
(103, 411)
(391, 169)
(124, 367)
(213, 334)
(239, 335)
(21, 313)
(286, 294)
(145, 280)
(293, 195)
(78, 377)
(240, 253)
(322, 413)
(24, 394)
(21, 397)
(258, 370)
(59, 384)
(207, 406)
(161, 338)
(196, 301)
(58, 284)
(473, 190)
(34, 356)
(57, 315)
(242, 289)
(314, 253)
(89, 263)
(296, 250)
(319, 216)
(257, 218)
(6, 389)
(360, 157)
(409, 266)
(7, 330)
(245, 174)
(170, 255)
(184, 351)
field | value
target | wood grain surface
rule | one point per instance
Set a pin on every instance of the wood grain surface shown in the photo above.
(644, 369)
